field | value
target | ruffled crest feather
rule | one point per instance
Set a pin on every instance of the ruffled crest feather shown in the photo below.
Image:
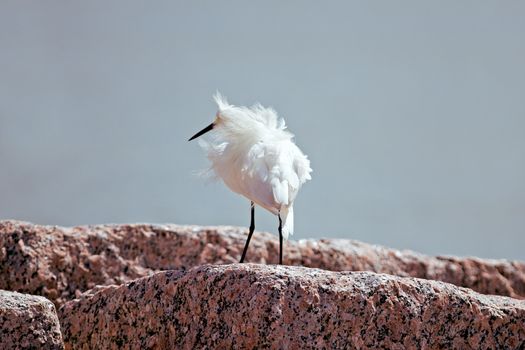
(266, 116)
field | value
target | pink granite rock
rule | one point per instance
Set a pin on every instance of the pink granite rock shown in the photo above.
(28, 322)
(61, 263)
(247, 306)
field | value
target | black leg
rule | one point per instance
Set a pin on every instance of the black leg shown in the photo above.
(252, 228)
(280, 241)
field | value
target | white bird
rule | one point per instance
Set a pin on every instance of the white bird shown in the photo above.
(255, 156)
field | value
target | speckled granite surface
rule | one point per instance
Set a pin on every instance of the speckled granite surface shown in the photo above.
(247, 306)
(60, 263)
(28, 322)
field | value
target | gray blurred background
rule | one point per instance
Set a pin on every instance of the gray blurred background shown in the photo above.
(412, 113)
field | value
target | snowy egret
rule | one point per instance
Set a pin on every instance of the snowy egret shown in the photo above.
(255, 156)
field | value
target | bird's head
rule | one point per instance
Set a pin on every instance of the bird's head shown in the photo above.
(219, 120)
(237, 123)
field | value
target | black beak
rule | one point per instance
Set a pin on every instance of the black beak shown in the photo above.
(202, 132)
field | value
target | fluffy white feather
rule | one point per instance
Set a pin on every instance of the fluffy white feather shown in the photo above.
(253, 153)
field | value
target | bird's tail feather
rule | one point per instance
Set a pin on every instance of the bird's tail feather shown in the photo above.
(286, 214)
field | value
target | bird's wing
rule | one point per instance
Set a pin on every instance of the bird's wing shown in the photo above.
(288, 170)
(275, 171)
(263, 170)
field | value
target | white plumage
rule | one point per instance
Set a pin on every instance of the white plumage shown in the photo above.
(253, 153)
